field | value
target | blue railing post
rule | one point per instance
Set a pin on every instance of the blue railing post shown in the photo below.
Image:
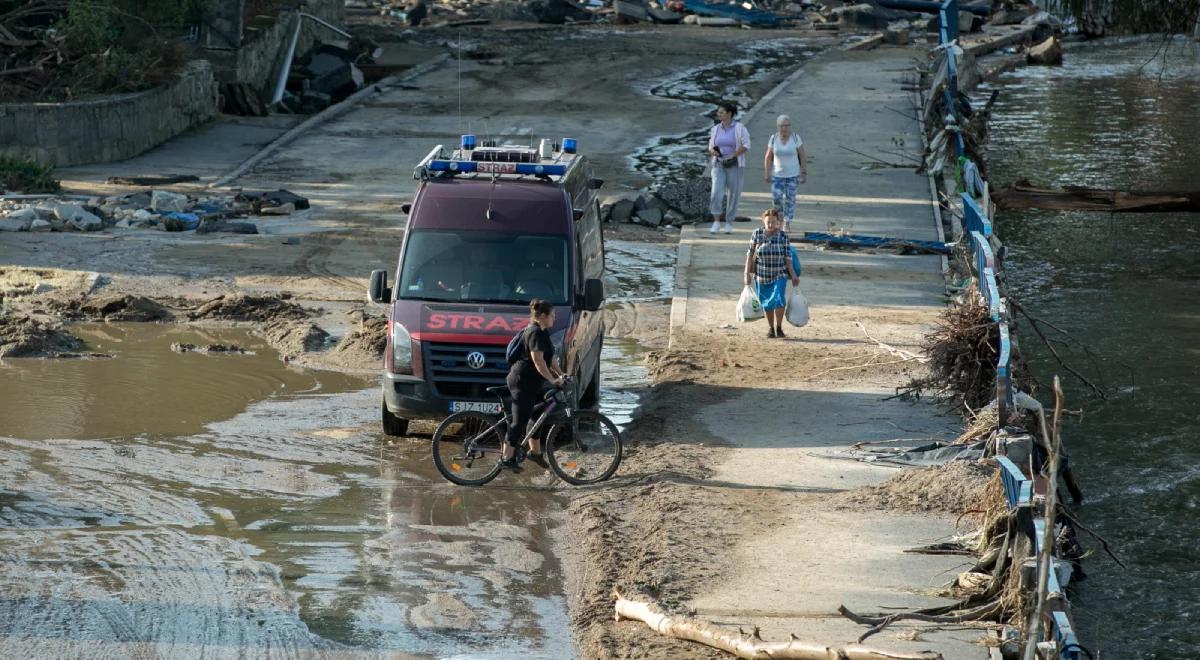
(949, 17)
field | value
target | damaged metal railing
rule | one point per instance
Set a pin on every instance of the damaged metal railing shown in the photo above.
(983, 246)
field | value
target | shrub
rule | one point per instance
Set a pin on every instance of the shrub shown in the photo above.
(27, 176)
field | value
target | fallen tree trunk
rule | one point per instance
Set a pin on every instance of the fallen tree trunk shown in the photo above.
(750, 645)
(1024, 195)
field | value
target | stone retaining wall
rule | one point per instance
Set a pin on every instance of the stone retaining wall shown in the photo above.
(258, 60)
(108, 128)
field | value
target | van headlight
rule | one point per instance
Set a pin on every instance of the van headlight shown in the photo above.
(401, 349)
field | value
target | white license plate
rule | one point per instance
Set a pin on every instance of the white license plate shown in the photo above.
(475, 406)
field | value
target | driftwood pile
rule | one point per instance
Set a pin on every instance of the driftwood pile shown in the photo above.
(46, 54)
(962, 353)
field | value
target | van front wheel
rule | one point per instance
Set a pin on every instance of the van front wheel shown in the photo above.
(393, 425)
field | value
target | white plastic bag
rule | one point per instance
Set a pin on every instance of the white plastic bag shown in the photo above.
(797, 308)
(748, 307)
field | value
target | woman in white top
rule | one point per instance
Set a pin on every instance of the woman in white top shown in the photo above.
(785, 167)
(728, 142)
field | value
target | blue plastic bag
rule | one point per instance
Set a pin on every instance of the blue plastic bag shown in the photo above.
(189, 220)
(795, 259)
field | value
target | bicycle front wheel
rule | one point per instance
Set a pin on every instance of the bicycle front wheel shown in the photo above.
(585, 450)
(467, 448)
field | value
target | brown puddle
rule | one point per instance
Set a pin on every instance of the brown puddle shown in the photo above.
(147, 388)
(165, 504)
(251, 508)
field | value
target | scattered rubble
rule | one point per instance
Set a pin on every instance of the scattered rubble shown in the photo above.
(180, 347)
(156, 209)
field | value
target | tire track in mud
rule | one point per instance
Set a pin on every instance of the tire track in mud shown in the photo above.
(144, 593)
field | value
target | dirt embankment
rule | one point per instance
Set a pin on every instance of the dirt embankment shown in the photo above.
(40, 305)
(953, 488)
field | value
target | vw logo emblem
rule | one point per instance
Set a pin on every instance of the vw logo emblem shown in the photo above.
(476, 360)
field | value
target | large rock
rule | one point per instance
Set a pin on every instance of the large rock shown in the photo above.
(688, 194)
(27, 214)
(622, 211)
(868, 17)
(649, 217)
(14, 224)
(75, 216)
(166, 202)
(1048, 52)
(1012, 14)
(555, 11)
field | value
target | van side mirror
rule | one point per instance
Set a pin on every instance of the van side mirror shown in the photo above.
(577, 214)
(406, 207)
(593, 294)
(379, 291)
(596, 184)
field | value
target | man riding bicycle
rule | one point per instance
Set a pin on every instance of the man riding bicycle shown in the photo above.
(528, 377)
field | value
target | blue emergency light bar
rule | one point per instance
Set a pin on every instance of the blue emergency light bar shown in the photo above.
(487, 167)
(569, 145)
(468, 142)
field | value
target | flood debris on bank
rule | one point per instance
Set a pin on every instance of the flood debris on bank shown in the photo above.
(157, 209)
(37, 316)
(1003, 523)
(831, 16)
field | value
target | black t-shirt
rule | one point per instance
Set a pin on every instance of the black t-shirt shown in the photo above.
(536, 339)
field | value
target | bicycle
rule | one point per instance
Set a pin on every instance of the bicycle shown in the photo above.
(582, 446)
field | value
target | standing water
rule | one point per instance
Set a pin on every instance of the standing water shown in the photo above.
(178, 503)
(1121, 115)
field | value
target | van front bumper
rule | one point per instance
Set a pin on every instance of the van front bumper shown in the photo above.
(410, 397)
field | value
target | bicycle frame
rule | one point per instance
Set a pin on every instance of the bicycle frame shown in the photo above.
(548, 406)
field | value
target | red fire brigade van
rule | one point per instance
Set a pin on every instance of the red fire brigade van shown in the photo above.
(490, 228)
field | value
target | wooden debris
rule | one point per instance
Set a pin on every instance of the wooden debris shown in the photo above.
(750, 645)
(1024, 195)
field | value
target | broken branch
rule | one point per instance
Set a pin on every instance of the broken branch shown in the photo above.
(878, 623)
(748, 645)
(898, 352)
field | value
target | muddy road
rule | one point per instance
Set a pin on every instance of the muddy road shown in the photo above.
(192, 493)
(161, 497)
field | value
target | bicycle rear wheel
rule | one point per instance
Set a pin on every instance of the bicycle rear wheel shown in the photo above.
(466, 449)
(585, 450)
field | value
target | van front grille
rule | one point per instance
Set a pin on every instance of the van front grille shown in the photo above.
(449, 371)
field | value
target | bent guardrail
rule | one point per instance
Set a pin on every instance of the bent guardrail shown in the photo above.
(980, 238)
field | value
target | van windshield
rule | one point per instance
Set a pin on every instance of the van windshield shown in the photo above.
(485, 267)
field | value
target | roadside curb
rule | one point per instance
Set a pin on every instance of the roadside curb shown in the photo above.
(679, 295)
(326, 115)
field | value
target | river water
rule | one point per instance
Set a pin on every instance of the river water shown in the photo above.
(1127, 285)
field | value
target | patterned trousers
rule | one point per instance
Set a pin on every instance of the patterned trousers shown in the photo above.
(783, 191)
